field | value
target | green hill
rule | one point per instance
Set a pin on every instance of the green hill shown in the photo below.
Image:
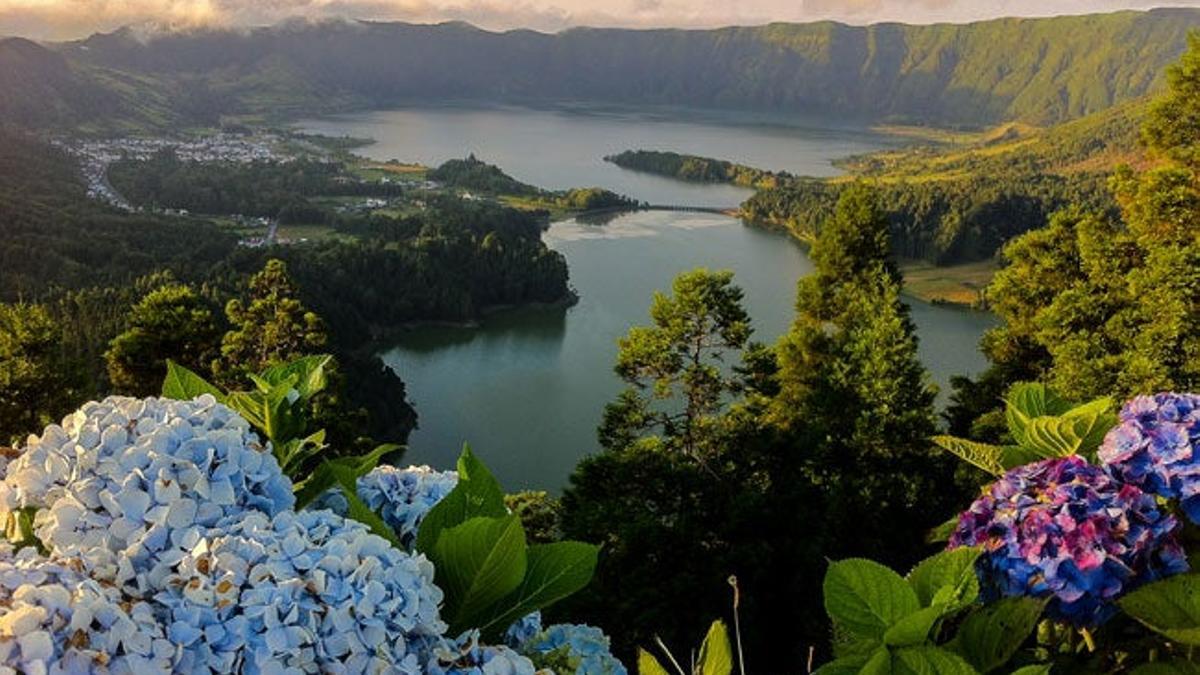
(1037, 71)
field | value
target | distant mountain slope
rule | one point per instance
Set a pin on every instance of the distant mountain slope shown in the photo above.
(40, 88)
(1037, 71)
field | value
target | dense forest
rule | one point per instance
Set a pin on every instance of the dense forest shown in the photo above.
(86, 266)
(942, 74)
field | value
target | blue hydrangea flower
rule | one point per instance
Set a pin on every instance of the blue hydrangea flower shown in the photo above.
(523, 630)
(572, 648)
(401, 496)
(465, 656)
(1066, 530)
(129, 485)
(1155, 448)
(309, 591)
(55, 620)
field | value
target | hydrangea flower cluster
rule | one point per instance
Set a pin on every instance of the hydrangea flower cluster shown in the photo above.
(465, 656)
(129, 485)
(564, 648)
(310, 590)
(523, 630)
(174, 546)
(54, 619)
(401, 497)
(1066, 530)
(1155, 448)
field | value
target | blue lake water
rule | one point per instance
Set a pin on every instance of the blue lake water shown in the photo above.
(527, 388)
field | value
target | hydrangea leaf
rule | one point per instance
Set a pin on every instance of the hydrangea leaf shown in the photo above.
(913, 629)
(476, 495)
(994, 459)
(716, 654)
(648, 665)
(849, 665)
(553, 572)
(866, 598)
(1027, 400)
(880, 663)
(357, 510)
(1170, 607)
(1173, 667)
(929, 661)
(478, 563)
(947, 580)
(182, 384)
(942, 533)
(307, 375)
(990, 636)
(327, 474)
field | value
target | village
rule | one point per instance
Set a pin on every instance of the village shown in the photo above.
(95, 156)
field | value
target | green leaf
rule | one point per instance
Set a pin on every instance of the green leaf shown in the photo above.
(553, 572)
(947, 580)
(990, 636)
(1036, 669)
(478, 562)
(942, 533)
(929, 661)
(1173, 667)
(1170, 607)
(880, 663)
(866, 598)
(359, 511)
(994, 459)
(648, 665)
(716, 654)
(477, 494)
(1091, 422)
(852, 665)
(307, 375)
(327, 474)
(182, 384)
(1027, 400)
(913, 629)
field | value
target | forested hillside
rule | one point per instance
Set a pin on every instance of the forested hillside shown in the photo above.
(961, 202)
(940, 74)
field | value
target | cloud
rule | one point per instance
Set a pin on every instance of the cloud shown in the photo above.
(56, 19)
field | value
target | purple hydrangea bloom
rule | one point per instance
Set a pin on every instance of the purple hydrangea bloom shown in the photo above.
(401, 497)
(1155, 448)
(1064, 529)
(465, 656)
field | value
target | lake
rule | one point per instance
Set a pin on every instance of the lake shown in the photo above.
(527, 388)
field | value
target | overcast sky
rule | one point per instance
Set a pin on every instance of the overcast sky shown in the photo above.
(59, 19)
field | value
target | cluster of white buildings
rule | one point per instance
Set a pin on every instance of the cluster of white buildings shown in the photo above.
(95, 156)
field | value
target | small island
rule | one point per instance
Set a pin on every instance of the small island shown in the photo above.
(696, 169)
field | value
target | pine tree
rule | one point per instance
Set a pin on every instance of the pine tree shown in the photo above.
(170, 322)
(36, 385)
(273, 327)
(849, 376)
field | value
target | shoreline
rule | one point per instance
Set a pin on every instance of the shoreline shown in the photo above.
(383, 336)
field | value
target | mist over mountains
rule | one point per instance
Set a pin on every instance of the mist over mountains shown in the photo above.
(946, 74)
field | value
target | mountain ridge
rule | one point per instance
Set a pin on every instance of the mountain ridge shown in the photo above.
(935, 74)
